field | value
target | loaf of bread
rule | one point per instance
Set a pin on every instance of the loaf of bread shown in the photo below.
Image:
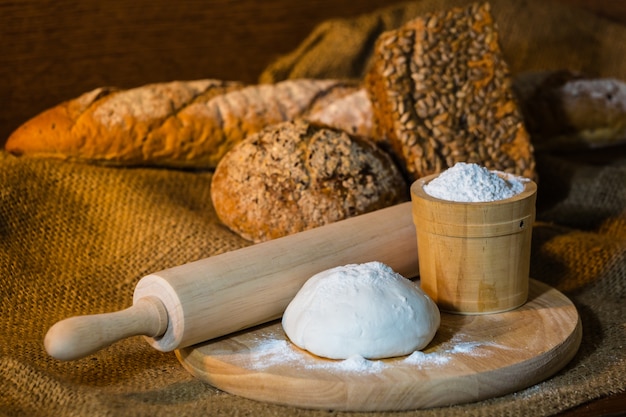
(178, 124)
(297, 175)
(351, 112)
(441, 94)
(564, 110)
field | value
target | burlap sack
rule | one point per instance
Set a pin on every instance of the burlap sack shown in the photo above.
(74, 239)
(536, 35)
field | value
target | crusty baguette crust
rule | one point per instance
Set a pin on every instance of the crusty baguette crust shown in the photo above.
(186, 124)
(350, 111)
(113, 126)
(297, 175)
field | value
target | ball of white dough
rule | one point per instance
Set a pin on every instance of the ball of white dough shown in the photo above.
(361, 309)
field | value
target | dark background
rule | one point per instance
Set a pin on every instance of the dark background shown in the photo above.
(51, 51)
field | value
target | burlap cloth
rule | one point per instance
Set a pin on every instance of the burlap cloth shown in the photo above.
(74, 239)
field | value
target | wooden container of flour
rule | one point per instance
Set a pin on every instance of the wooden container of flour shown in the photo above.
(474, 257)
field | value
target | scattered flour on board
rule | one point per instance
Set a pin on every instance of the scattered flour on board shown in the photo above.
(466, 182)
(276, 352)
(270, 351)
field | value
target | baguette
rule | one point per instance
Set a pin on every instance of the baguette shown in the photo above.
(180, 124)
(351, 113)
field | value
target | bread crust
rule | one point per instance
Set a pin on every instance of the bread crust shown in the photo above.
(441, 94)
(180, 124)
(297, 175)
(565, 111)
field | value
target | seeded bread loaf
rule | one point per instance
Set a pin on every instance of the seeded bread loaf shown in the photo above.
(177, 124)
(441, 94)
(295, 176)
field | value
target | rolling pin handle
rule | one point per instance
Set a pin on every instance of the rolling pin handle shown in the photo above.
(81, 336)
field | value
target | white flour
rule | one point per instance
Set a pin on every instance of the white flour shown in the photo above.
(472, 183)
(272, 350)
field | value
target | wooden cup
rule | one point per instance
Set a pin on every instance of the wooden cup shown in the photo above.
(474, 258)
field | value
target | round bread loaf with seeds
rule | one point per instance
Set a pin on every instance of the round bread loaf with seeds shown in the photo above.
(297, 175)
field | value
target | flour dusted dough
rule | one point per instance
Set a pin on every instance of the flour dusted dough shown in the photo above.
(361, 309)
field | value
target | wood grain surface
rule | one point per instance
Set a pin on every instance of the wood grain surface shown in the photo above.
(490, 242)
(471, 358)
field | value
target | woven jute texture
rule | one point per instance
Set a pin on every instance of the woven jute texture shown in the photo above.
(76, 238)
(536, 35)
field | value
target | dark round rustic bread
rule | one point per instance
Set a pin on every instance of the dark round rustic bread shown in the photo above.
(296, 175)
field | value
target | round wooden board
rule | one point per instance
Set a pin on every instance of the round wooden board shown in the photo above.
(471, 358)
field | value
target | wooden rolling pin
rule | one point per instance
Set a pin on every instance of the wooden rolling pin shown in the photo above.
(216, 296)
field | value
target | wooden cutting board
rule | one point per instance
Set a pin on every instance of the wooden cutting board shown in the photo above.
(471, 358)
